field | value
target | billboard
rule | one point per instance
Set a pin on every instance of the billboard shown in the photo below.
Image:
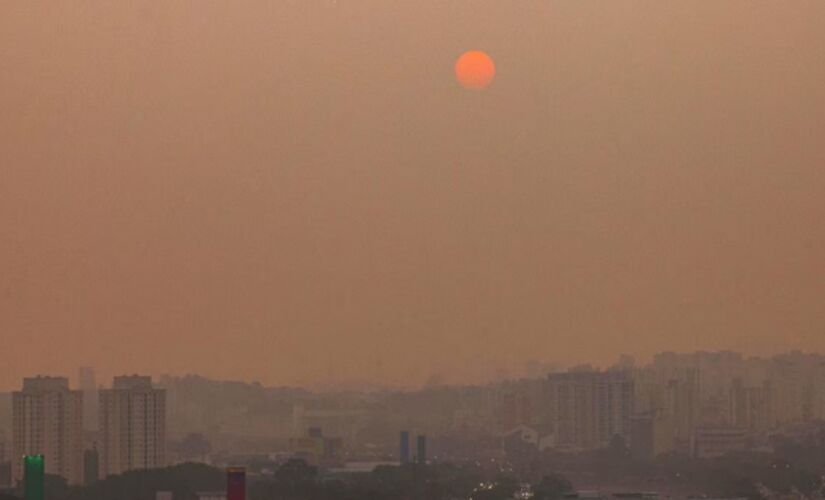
(34, 468)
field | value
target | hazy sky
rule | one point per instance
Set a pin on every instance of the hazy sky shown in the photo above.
(297, 191)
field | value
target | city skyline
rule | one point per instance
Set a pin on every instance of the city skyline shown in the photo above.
(692, 407)
(530, 369)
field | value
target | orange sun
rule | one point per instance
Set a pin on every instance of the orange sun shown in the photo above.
(474, 69)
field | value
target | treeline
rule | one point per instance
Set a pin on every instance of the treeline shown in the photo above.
(792, 468)
(296, 480)
(182, 480)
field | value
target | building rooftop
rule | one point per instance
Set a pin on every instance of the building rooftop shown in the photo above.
(131, 382)
(45, 384)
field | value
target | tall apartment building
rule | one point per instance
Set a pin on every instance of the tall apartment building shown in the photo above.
(132, 426)
(86, 383)
(750, 407)
(4, 447)
(682, 403)
(47, 419)
(591, 407)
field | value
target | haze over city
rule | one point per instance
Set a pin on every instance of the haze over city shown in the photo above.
(300, 193)
(412, 250)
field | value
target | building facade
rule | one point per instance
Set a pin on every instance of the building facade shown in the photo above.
(87, 384)
(591, 407)
(713, 442)
(47, 419)
(132, 426)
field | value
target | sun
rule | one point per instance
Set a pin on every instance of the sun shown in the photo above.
(475, 69)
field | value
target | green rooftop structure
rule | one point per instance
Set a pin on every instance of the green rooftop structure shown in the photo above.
(33, 473)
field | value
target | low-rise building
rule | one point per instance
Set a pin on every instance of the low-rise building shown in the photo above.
(711, 442)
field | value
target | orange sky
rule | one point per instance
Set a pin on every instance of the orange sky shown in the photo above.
(298, 191)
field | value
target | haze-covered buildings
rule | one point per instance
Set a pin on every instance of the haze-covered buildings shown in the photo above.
(132, 426)
(47, 419)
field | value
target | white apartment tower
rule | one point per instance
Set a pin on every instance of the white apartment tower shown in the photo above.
(590, 407)
(47, 419)
(132, 426)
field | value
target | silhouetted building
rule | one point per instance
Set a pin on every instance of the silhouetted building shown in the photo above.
(651, 434)
(91, 467)
(404, 448)
(421, 450)
(88, 385)
(5, 466)
(132, 426)
(47, 420)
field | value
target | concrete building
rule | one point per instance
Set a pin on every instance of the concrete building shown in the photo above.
(47, 419)
(535, 438)
(681, 404)
(3, 448)
(421, 450)
(590, 407)
(404, 448)
(5, 466)
(340, 422)
(712, 441)
(91, 466)
(317, 449)
(750, 407)
(652, 434)
(87, 384)
(132, 426)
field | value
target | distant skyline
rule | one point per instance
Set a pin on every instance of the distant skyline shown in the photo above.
(299, 191)
(531, 369)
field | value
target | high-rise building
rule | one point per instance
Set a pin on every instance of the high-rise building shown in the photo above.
(404, 448)
(681, 403)
(591, 407)
(87, 384)
(47, 419)
(132, 426)
(750, 406)
(421, 450)
(5, 465)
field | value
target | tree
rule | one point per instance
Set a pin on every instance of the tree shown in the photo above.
(551, 487)
(182, 480)
(296, 478)
(55, 486)
(503, 488)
